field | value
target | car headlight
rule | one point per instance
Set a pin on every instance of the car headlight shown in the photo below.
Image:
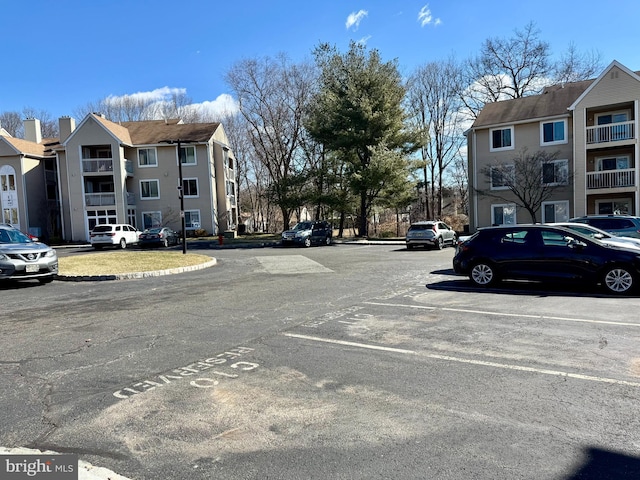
(50, 254)
(303, 234)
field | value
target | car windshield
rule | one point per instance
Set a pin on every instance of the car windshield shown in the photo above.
(421, 226)
(13, 236)
(303, 226)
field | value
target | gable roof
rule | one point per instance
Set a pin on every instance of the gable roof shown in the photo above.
(613, 64)
(25, 147)
(553, 101)
(158, 131)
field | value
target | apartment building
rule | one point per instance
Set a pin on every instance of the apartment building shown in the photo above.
(588, 128)
(105, 172)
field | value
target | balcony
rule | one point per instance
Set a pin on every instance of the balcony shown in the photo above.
(99, 199)
(612, 179)
(612, 132)
(131, 198)
(97, 165)
(128, 167)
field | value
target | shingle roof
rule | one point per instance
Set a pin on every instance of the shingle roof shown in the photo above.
(28, 148)
(153, 132)
(553, 101)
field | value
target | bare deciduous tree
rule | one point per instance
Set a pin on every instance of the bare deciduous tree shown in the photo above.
(434, 103)
(529, 180)
(273, 95)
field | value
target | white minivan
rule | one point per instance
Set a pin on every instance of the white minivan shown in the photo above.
(114, 234)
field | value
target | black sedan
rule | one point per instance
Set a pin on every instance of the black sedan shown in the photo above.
(158, 237)
(545, 253)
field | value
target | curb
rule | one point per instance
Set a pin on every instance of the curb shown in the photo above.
(135, 275)
(86, 471)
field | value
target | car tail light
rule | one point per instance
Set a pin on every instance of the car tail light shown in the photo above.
(433, 227)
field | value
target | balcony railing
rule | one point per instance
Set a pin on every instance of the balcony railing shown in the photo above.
(612, 178)
(612, 132)
(99, 199)
(97, 165)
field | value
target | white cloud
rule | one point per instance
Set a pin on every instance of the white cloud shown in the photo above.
(426, 18)
(364, 40)
(354, 19)
(222, 106)
(157, 95)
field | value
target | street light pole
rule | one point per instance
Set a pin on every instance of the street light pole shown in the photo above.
(180, 192)
(181, 195)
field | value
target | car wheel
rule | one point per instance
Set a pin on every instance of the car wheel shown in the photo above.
(123, 243)
(307, 242)
(618, 280)
(482, 274)
(454, 240)
(440, 243)
(327, 241)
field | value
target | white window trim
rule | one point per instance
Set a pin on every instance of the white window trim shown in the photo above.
(612, 113)
(147, 166)
(197, 187)
(503, 205)
(195, 155)
(555, 142)
(149, 180)
(199, 215)
(501, 149)
(157, 213)
(551, 184)
(626, 200)
(502, 187)
(607, 157)
(557, 202)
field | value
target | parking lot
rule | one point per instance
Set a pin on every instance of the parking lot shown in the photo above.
(348, 361)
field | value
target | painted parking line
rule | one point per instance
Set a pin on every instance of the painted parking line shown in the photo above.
(482, 363)
(503, 314)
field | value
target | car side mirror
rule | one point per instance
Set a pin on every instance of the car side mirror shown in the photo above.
(573, 243)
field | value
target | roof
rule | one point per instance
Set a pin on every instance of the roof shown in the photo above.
(553, 101)
(28, 148)
(153, 132)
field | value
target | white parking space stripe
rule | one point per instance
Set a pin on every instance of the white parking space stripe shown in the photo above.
(504, 314)
(448, 358)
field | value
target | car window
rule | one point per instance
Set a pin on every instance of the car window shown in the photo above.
(420, 227)
(102, 228)
(513, 237)
(553, 239)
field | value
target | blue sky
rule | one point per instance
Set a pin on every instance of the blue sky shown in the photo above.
(59, 56)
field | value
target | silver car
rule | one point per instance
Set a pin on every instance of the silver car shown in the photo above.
(23, 259)
(434, 234)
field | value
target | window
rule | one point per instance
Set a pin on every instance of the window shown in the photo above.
(231, 189)
(555, 212)
(10, 215)
(555, 172)
(131, 216)
(553, 132)
(502, 176)
(621, 206)
(502, 139)
(503, 214)
(96, 151)
(151, 219)
(188, 155)
(612, 163)
(192, 219)
(612, 117)
(190, 187)
(149, 189)
(147, 157)
(100, 217)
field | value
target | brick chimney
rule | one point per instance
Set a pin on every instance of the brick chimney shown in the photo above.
(32, 130)
(66, 125)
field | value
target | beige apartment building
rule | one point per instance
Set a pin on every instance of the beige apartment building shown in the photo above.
(105, 172)
(590, 128)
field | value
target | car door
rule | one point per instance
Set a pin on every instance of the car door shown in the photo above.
(517, 253)
(447, 233)
(566, 257)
